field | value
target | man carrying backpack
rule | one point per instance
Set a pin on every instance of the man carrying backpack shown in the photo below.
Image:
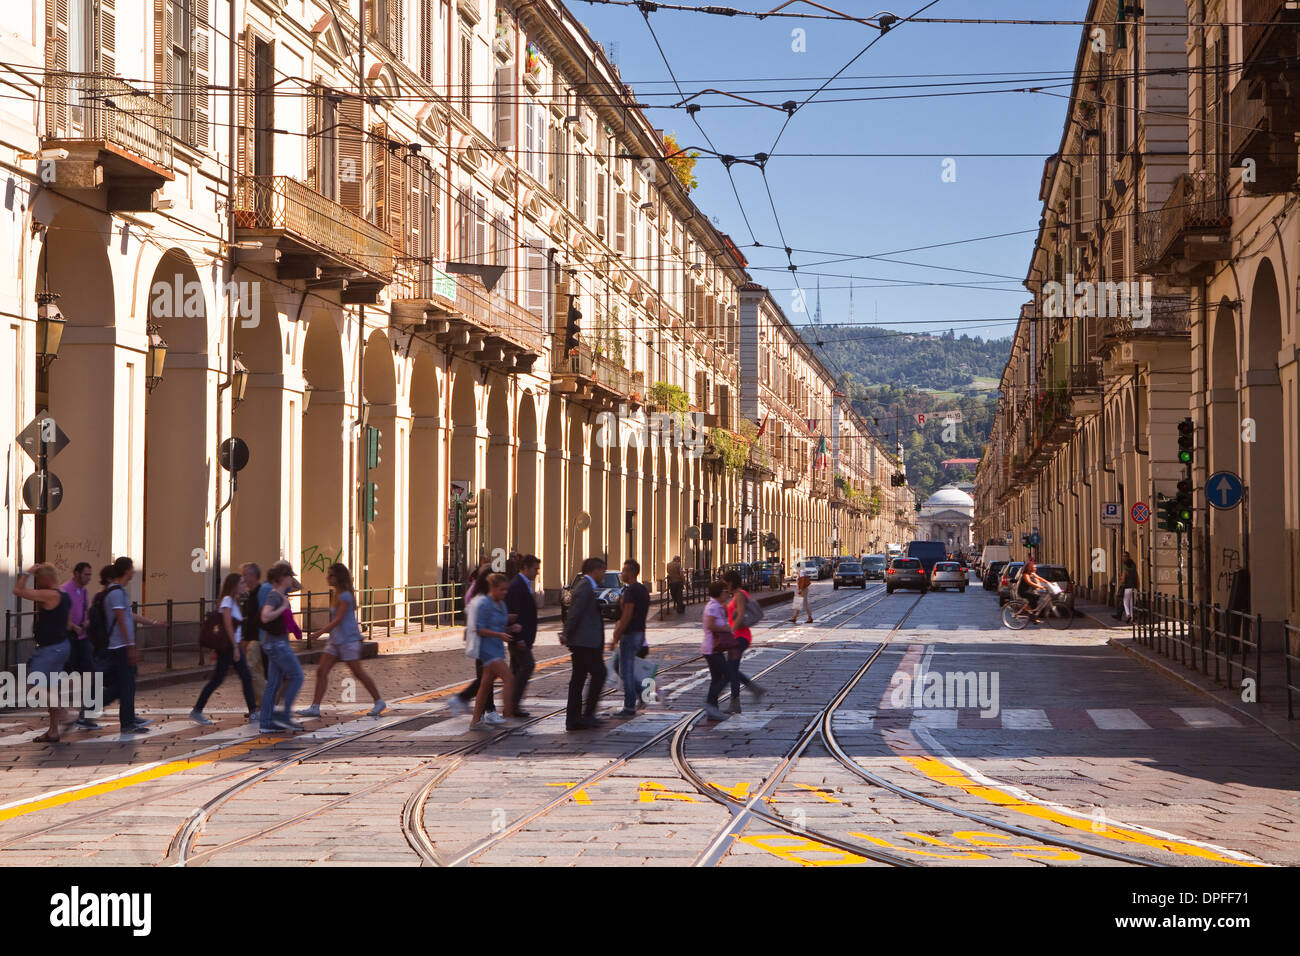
(249, 643)
(123, 658)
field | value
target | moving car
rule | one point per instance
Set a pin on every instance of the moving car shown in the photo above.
(906, 573)
(928, 552)
(1009, 570)
(809, 566)
(874, 565)
(849, 572)
(991, 575)
(823, 567)
(609, 596)
(1055, 573)
(948, 574)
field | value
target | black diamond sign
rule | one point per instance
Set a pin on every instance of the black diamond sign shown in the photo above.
(40, 429)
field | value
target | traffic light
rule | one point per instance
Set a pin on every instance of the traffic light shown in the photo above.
(1183, 503)
(1169, 515)
(374, 446)
(572, 327)
(471, 513)
(370, 501)
(1186, 440)
(897, 479)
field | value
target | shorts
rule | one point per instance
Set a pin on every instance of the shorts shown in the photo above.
(491, 649)
(344, 650)
(50, 658)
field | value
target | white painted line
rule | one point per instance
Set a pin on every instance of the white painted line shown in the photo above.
(937, 719)
(1026, 718)
(1117, 719)
(1206, 717)
(443, 728)
(855, 719)
(153, 732)
(650, 723)
(741, 722)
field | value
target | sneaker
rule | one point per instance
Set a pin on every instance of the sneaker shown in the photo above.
(734, 706)
(456, 705)
(254, 717)
(481, 725)
(284, 723)
(626, 713)
(492, 717)
(265, 729)
(713, 713)
(757, 691)
(312, 711)
(378, 709)
(135, 729)
(199, 719)
(85, 723)
(143, 722)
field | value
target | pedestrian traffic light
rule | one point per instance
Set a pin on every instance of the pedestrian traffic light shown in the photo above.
(471, 514)
(370, 501)
(1186, 440)
(374, 446)
(572, 327)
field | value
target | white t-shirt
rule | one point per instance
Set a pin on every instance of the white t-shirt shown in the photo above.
(236, 615)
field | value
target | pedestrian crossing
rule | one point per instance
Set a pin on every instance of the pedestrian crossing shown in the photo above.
(1032, 718)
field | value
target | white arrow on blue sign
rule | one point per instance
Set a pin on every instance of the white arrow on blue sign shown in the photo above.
(1223, 490)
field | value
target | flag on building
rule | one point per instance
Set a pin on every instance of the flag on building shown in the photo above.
(819, 458)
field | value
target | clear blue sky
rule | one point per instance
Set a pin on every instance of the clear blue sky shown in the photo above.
(868, 206)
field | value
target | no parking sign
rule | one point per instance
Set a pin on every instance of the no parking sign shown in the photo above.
(1140, 512)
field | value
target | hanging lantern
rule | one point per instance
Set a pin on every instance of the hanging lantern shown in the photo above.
(307, 389)
(49, 328)
(156, 359)
(238, 380)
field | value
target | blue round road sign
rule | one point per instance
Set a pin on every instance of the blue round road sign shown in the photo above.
(1223, 490)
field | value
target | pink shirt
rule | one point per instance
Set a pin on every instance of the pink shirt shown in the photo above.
(77, 611)
(715, 615)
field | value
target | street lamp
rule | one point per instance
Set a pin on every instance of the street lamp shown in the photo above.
(157, 357)
(49, 328)
(307, 389)
(238, 380)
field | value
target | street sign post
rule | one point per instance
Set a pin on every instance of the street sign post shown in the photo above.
(42, 492)
(42, 436)
(233, 455)
(1223, 490)
(1140, 512)
(1110, 514)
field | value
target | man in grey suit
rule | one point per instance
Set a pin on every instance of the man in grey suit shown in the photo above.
(584, 635)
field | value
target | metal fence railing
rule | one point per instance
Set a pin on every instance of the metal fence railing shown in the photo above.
(1223, 645)
(384, 612)
(1291, 654)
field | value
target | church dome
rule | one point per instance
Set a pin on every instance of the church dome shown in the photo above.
(950, 496)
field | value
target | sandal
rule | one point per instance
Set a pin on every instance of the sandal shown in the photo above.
(45, 738)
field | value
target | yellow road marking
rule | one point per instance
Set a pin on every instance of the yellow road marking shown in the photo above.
(823, 792)
(652, 790)
(797, 850)
(579, 796)
(740, 791)
(942, 773)
(152, 773)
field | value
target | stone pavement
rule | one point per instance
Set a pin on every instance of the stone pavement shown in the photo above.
(1049, 730)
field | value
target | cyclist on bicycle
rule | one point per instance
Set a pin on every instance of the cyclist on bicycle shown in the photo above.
(1032, 587)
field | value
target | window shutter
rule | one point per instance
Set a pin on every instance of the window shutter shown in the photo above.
(395, 18)
(1118, 269)
(602, 187)
(536, 300)
(435, 216)
(163, 64)
(313, 135)
(395, 196)
(560, 165)
(620, 222)
(464, 228)
(413, 239)
(505, 105)
(426, 40)
(351, 113)
(480, 231)
(106, 37)
(200, 58)
(580, 187)
(244, 141)
(368, 16)
(1088, 195)
(56, 58)
(466, 72)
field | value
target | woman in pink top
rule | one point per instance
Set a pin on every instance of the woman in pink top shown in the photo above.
(744, 638)
(717, 637)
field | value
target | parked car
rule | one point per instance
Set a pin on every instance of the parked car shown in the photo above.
(991, 575)
(1009, 570)
(809, 566)
(609, 597)
(745, 571)
(849, 572)
(823, 567)
(906, 573)
(1055, 573)
(875, 565)
(948, 574)
(764, 573)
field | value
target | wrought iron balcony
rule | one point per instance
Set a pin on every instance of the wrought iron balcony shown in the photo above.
(1192, 225)
(1265, 119)
(1170, 317)
(115, 136)
(594, 375)
(465, 317)
(313, 235)
(1269, 29)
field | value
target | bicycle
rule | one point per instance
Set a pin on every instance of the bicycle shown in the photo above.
(1018, 612)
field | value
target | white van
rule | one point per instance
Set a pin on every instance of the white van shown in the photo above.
(993, 552)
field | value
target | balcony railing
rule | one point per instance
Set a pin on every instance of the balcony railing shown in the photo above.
(1197, 208)
(91, 107)
(285, 205)
(1264, 120)
(592, 369)
(1170, 316)
(499, 316)
(1262, 18)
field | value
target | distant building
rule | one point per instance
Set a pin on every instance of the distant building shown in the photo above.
(959, 463)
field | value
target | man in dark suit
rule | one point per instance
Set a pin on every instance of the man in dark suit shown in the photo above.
(521, 601)
(584, 636)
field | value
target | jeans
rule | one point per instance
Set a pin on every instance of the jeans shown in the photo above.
(120, 686)
(281, 662)
(588, 663)
(470, 692)
(733, 668)
(1129, 595)
(675, 589)
(224, 661)
(628, 645)
(522, 665)
(718, 672)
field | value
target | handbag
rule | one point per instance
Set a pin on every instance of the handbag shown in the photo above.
(724, 641)
(212, 633)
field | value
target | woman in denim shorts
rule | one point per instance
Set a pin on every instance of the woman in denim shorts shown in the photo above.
(492, 622)
(50, 631)
(344, 643)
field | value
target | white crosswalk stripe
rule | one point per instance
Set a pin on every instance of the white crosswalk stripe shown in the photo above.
(1026, 718)
(1206, 717)
(1117, 719)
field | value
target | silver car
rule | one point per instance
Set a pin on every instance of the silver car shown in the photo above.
(948, 574)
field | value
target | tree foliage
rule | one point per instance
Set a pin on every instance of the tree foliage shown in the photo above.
(681, 163)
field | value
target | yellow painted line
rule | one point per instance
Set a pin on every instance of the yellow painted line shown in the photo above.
(802, 851)
(579, 796)
(824, 792)
(652, 790)
(942, 773)
(155, 772)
